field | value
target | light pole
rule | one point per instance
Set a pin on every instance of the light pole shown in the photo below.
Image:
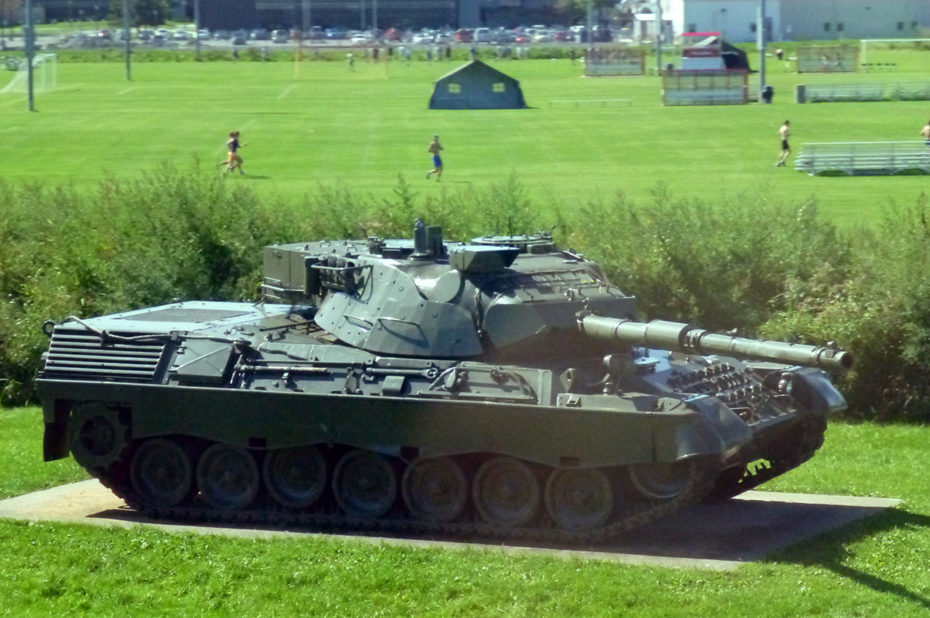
(126, 34)
(589, 27)
(197, 29)
(30, 49)
(659, 37)
(760, 44)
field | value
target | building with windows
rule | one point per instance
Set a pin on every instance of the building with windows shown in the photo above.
(792, 20)
(382, 14)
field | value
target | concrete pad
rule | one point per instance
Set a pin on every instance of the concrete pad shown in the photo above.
(714, 536)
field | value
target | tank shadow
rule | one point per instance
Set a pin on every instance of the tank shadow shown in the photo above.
(795, 528)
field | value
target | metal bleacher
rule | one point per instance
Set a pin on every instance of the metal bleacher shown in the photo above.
(864, 158)
(817, 93)
(900, 91)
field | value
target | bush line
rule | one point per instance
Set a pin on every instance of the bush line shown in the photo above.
(751, 263)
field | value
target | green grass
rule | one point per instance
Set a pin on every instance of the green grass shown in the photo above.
(877, 567)
(319, 123)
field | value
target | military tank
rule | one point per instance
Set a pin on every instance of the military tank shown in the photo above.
(496, 388)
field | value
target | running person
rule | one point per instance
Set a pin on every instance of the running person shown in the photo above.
(783, 133)
(233, 160)
(434, 148)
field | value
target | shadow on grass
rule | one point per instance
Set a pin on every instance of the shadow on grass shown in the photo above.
(830, 552)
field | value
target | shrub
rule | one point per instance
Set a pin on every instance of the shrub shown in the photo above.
(750, 263)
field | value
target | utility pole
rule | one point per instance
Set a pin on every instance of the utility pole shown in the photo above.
(590, 25)
(126, 33)
(659, 37)
(305, 12)
(760, 44)
(197, 29)
(29, 44)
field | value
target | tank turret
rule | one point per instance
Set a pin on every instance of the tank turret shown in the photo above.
(497, 387)
(427, 297)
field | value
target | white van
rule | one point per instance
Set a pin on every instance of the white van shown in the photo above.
(482, 35)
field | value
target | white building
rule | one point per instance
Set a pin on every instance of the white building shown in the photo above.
(791, 20)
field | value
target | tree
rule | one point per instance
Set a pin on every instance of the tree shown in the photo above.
(141, 12)
(11, 11)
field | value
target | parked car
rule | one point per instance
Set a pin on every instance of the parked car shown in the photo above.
(482, 35)
(279, 36)
(393, 34)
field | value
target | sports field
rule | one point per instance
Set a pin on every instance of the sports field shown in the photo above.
(319, 122)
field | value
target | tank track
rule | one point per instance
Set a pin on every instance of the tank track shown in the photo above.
(703, 476)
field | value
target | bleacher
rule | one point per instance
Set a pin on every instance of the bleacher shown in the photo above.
(899, 91)
(864, 158)
(909, 91)
(819, 93)
(705, 87)
(732, 96)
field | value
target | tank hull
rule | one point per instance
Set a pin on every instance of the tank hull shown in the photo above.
(250, 412)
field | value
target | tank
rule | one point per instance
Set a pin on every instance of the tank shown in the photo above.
(500, 387)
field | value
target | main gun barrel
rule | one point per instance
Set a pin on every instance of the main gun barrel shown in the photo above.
(661, 334)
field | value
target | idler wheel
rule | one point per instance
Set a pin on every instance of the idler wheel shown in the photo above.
(435, 489)
(364, 484)
(660, 481)
(161, 473)
(506, 492)
(227, 477)
(97, 435)
(579, 499)
(295, 477)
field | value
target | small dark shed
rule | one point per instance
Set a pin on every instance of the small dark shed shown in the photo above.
(476, 86)
(733, 56)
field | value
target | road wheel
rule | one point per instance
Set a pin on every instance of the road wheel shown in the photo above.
(295, 477)
(435, 489)
(579, 499)
(161, 473)
(506, 492)
(364, 484)
(227, 477)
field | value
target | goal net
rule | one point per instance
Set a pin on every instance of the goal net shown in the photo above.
(611, 62)
(827, 58)
(44, 75)
(883, 53)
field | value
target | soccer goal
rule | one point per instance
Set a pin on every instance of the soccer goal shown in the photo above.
(44, 76)
(879, 53)
(611, 62)
(827, 58)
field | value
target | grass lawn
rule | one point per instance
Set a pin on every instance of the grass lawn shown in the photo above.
(877, 567)
(317, 122)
